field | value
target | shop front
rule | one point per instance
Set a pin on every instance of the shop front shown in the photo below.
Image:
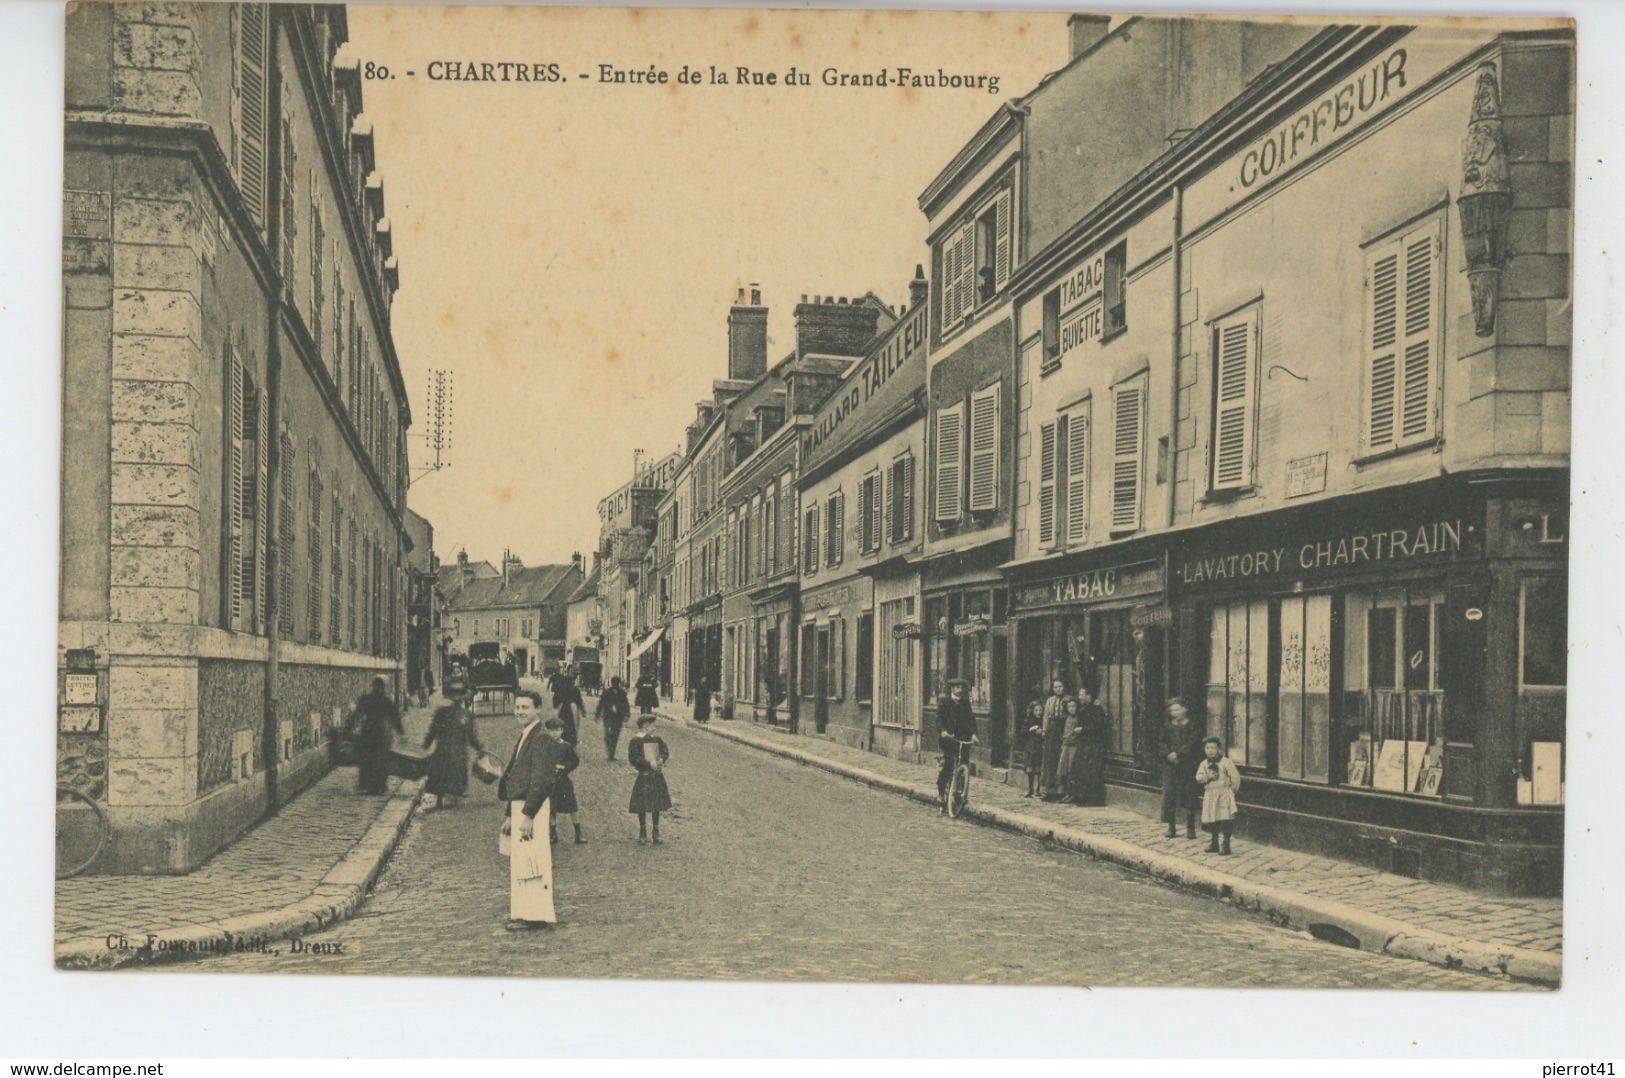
(705, 648)
(895, 728)
(1388, 669)
(965, 633)
(772, 640)
(837, 678)
(1100, 625)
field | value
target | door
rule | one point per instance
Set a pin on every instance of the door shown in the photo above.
(998, 716)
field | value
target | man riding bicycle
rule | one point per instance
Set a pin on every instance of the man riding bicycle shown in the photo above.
(956, 725)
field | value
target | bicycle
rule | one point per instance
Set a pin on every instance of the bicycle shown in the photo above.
(81, 832)
(958, 792)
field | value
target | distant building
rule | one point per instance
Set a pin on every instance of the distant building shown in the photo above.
(584, 625)
(422, 603)
(525, 610)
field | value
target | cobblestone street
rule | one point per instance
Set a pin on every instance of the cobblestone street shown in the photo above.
(776, 871)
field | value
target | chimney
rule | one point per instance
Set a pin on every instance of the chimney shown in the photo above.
(835, 328)
(576, 562)
(464, 573)
(1086, 31)
(809, 389)
(747, 336)
(919, 288)
(510, 565)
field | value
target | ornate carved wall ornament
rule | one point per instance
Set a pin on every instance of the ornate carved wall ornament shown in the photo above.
(1485, 200)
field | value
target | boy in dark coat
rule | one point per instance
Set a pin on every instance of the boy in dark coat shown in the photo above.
(1181, 749)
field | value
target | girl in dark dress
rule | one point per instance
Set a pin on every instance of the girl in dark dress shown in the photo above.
(451, 734)
(647, 699)
(563, 797)
(648, 754)
(1031, 743)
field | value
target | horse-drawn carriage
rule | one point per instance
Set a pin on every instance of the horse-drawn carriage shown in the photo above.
(492, 679)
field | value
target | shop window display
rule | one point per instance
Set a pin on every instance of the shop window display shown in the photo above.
(1395, 706)
(1238, 681)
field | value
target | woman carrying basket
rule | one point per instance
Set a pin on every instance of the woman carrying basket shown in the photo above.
(451, 733)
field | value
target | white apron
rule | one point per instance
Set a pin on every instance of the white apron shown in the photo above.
(530, 866)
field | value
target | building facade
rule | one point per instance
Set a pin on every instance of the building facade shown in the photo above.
(626, 526)
(524, 610)
(1316, 489)
(234, 467)
(423, 633)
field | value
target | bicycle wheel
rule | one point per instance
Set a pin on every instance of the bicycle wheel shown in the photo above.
(81, 832)
(958, 791)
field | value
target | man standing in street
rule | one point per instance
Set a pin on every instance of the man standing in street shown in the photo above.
(526, 789)
(613, 710)
(955, 724)
(374, 718)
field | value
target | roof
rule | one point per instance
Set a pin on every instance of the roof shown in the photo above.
(449, 579)
(523, 587)
(589, 587)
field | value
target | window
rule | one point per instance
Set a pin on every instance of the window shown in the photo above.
(350, 618)
(863, 685)
(957, 270)
(457, 626)
(950, 460)
(1303, 737)
(900, 499)
(770, 529)
(993, 247)
(247, 475)
(1238, 680)
(502, 628)
(1113, 294)
(1391, 674)
(1128, 450)
(835, 530)
(869, 514)
(290, 168)
(1048, 467)
(1235, 401)
(809, 660)
(335, 609)
(1543, 632)
(318, 251)
(984, 450)
(835, 659)
(1403, 286)
(898, 704)
(527, 627)
(476, 628)
(1052, 329)
(809, 541)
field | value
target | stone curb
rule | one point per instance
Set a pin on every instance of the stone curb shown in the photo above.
(1323, 917)
(334, 898)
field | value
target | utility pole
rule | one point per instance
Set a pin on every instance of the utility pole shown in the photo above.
(438, 413)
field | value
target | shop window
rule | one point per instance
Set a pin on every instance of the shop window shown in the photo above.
(935, 657)
(1543, 633)
(1109, 675)
(834, 644)
(972, 654)
(950, 462)
(1304, 728)
(1115, 295)
(1238, 681)
(1403, 336)
(984, 450)
(1394, 706)
(1235, 401)
(897, 703)
(1128, 452)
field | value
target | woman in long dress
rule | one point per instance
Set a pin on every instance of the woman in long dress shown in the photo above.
(1089, 770)
(451, 734)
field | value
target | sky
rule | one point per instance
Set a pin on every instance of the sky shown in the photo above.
(570, 249)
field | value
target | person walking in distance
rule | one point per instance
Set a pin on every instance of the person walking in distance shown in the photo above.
(375, 716)
(612, 711)
(955, 724)
(1220, 780)
(526, 789)
(1181, 748)
(570, 707)
(647, 699)
(647, 753)
(702, 701)
(451, 734)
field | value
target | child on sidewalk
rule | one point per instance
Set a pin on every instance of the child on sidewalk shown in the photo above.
(648, 754)
(1219, 780)
(1031, 744)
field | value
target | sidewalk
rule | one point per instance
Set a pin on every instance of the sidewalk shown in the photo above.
(306, 867)
(1335, 900)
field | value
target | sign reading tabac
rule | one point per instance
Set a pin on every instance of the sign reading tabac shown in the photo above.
(1093, 586)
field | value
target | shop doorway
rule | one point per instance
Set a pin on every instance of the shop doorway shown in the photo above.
(998, 718)
(821, 686)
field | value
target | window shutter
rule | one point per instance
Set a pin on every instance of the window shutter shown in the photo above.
(288, 225)
(966, 287)
(835, 523)
(1077, 477)
(1235, 391)
(950, 278)
(810, 542)
(250, 99)
(876, 517)
(890, 511)
(1416, 417)
(950, 462)
(238, 480)
(908, 497)
(1002, 241)
(1126, 455)
(285, 542)
(1383, 286)
(262, 511)
(984, 449)
(1046, 484)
